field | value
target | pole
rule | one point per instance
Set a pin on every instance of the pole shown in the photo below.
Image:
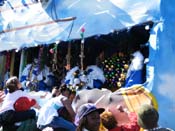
(21, 63)
(12, 63)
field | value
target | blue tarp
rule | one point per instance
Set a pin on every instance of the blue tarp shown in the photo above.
(162, 63)
(26, 23)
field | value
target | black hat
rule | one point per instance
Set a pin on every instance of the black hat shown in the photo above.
(147, 116)
(88, 108)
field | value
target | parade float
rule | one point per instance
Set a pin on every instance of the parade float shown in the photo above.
(112, 29)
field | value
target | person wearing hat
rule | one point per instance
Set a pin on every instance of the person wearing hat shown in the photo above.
(88, 116)
(24, 103)
(148, 118)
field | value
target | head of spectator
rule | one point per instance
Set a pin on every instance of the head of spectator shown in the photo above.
(35, 61)
(148, 117)
(72, 95)
(13, 84)
(108, 120)
(89, 117)
(111, 123)
(64, 90)
(55, 91)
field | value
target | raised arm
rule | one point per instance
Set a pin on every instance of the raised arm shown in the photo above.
(68, 104)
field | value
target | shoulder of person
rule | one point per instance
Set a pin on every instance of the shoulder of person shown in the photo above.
(62, 97)
(59, 99)
(165, 129)
(15, 93)
(160, 129)
(28, 66)
(22, 93)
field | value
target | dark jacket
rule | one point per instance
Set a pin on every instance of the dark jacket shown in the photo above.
(8, 118)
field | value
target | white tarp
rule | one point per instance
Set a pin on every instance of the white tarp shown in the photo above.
(25, 23)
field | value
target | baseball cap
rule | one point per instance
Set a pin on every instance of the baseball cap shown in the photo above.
(88, 108)
(24, 103)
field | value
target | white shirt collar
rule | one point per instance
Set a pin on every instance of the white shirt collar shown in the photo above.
(84, 129)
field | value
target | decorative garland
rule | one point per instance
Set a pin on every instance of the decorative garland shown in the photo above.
(8, 59)
(40, 61)
(68, 57)
(54, 53)
(77, 82)
(82, 48)
(54, 49)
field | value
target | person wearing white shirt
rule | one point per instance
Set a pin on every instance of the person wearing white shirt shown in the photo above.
(49, 116)
(14, 93)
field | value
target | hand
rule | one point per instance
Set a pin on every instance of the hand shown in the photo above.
(37, 106)
(65, 101)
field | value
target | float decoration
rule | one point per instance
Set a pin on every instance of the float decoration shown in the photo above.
(82, 48)
(115, 69)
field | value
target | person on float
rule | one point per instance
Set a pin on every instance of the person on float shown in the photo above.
(91, 77)
(33, 78)
(135, 71)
